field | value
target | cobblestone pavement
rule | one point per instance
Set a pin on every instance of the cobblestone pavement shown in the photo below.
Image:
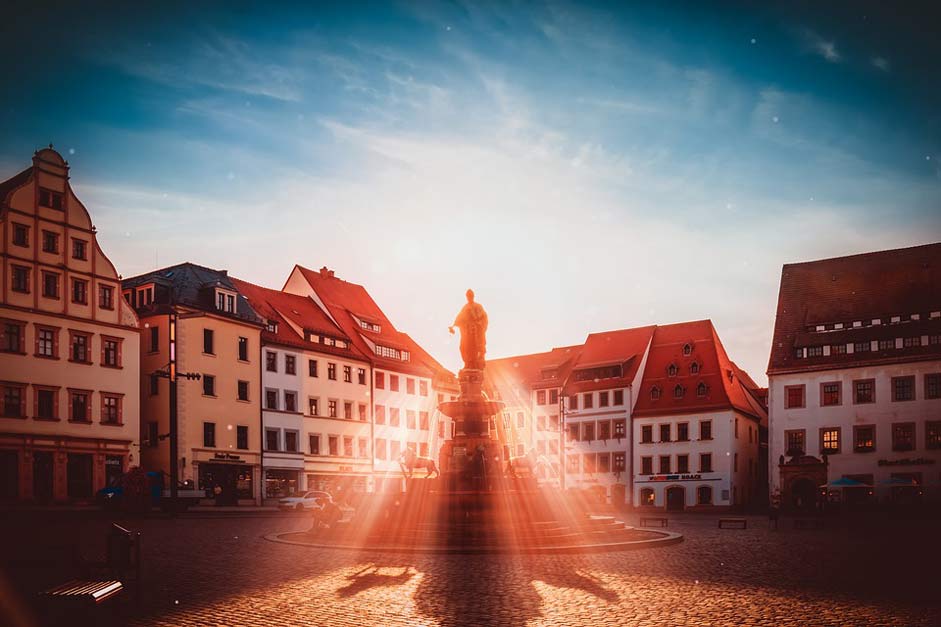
(219, 570)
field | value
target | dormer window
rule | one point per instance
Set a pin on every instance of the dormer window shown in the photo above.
(701, 389)
(687, 350)
(654, 393)
(271, 326)
(225, 301)
(391, 353)
(679, 391)
(369, 326)
(145, 296)
(694, 368)
(672, 370)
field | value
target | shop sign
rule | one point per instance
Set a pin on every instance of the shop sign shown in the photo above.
(675, 478)
(905, 462)
(346, 469)
(229, 456)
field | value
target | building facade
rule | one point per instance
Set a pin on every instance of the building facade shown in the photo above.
(69, 346)
(196, 316)
(855, 379)
(317, 409)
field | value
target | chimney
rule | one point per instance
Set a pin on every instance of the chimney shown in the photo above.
(326, 272)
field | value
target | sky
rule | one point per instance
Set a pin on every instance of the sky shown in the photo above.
(583, 167)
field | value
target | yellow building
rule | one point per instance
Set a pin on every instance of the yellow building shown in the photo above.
(217, 336)
(69, 346)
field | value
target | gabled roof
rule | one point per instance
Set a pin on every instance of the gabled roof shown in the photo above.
(514, 377)
(12, 183)
(191, 285)
(624, 348)
(294, 314)
(726, 385)
(844, 290)
(344, 300)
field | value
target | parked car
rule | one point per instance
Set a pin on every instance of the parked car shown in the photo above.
(315, 499)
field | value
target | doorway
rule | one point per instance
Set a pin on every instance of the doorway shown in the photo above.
(79, 475)
(676, 498)
(803, 495)
(42, 475)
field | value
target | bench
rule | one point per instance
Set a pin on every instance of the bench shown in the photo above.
(648, 521)
(733, 523)
(808, 523)
(99, 582)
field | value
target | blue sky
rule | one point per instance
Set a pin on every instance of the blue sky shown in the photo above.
(583, 168)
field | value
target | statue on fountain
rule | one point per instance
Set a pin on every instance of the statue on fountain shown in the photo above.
(472, 321)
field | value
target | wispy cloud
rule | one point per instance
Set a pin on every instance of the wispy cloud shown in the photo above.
(816, 44)
(881, 63)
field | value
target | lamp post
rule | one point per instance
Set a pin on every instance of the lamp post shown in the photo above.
(562, 440)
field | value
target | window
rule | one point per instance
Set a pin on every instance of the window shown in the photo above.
(50, 242)
(111, 352)
(701, 389)
(540, 397)
(380, 380)
(736, 428)
(314, 444)
(571, 464)
(394, 417)
(110, 409)
(20, 234)
(573, 431)
(361, 379)
(664, 464)
(603, 399)
(864, 438)
(793, 396)
(153, 437)
(272, 437)
(290, 401)
(45, 408)
(380, 448)
(864, 391)
(903, 388)
(208, 341)
(620, 428)
(50, 284)
(573, 402)
(831, 393)
(540, 423)
(393, 383)
(933, 434)
(410, 418)
(838, 349)
(80, 347)
(704, 495)
(13, 337)
(410, 386)
(647, 497)
(694, 368)
(705, 430)
(241, 437)
(47, 340)
(290, 441)
(333, 442)
(51, 199)
(290, 364)
(885, 345)
(682, 432)
(271, 399)
(347, 446)
(687, 350)
(794, 440)
(862, 347)
(933, 385)
(553, 397)
(682, 463)
(79, 406)
(672, 370)
(619, 397)
(363, 417)
(79, 249)
(332, 408)
(705, 462)
(154, 385)
(331, 371)
(225, 301)
(830, 440)
(665, 433)
(588, 431)
(423, 421)
(348, 410)
(587, 400)
(380, 416)
(363, 447)
(271, 361)
(20, 281)
(154, 339)
(313, 406)
(679, 391)
(209, 385)
(243, 349)
(604, 430)
(14, 401)
(243, 390)
(79, 292)
(106, 297)
(912, 342)
(815, 351)
(903, 436)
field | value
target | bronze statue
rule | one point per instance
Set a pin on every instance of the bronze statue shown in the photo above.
(472, 321)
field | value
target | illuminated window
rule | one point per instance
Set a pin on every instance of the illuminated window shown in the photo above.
(864, 438)
(830, 441)
(647, 496)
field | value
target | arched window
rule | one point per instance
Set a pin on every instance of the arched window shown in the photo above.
(672, 370)
(687, 349)
(646, 497)
(694, 368)
(654, 393)
(701, 389)
(704, 495)
(678, 391)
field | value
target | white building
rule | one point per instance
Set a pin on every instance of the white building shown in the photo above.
(316, 408)
(855, 378)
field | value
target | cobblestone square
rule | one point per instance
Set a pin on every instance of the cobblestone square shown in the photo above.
(213, 569)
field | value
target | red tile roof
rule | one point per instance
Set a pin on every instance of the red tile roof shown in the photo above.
(294, 314)
(860, 288)
(514, 377)
(726, 385)
(344, 300)
(12, 183)
(624, 347)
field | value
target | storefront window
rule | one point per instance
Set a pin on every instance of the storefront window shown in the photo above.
(280, 483)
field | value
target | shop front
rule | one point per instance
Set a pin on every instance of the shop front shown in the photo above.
(226, 478)
(281, 482)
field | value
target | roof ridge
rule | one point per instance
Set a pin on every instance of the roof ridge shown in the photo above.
(872, 253)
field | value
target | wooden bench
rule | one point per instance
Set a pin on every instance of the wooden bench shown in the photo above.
(808, 523)
(733, 523)
(648, 521)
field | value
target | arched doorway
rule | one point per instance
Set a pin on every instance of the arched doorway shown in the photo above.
(803, 495)
(676, 498)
